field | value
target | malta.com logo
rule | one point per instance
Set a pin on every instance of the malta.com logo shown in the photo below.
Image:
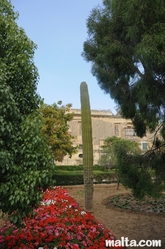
(125, 242)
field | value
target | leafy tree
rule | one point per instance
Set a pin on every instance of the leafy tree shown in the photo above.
(25, 165)
(110, 155)
(56, 129)
(143, 173)
(126, 46)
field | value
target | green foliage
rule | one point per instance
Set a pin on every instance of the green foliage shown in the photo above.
(111, 158)
(87, 146)
(56, 129)
(26, 169)
(77, 167)
(126, 46)
(73, 177)
(17, 69)
(132, 175)
(69, 167)
(143, 174)
(110, 149)
(25, 161)
(63, 179)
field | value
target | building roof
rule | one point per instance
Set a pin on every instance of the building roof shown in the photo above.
(94, 112)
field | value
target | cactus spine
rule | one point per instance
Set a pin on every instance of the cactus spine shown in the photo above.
(87, 146)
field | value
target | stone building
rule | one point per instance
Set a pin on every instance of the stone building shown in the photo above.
(104, 124)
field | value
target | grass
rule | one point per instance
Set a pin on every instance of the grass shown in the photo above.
(80, 172)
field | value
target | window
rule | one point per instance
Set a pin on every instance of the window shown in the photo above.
(129, 131)
(116, 130)
(144, 145)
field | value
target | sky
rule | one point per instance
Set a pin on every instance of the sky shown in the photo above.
(58, 27)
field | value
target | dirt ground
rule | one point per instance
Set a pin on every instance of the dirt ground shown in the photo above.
(122, 223)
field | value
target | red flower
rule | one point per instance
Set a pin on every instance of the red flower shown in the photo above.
(58, 222)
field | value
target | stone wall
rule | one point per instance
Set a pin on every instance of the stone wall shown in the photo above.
(104, 124)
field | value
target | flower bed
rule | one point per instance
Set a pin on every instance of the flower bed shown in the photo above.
(148, 204)
(58, 223)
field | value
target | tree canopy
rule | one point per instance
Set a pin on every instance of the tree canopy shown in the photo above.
(126, 46)
(25, 160)
(55, 128)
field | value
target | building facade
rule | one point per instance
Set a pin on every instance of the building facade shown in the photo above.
(104, 124)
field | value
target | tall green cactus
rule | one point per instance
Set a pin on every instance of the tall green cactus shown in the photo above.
(87, 146)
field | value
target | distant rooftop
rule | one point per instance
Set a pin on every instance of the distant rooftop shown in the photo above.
(94, 112)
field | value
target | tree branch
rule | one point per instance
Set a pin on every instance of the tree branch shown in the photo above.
(155, 137)
(138, 71)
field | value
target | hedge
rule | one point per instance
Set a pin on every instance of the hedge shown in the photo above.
(76, 177)
(78, 167)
